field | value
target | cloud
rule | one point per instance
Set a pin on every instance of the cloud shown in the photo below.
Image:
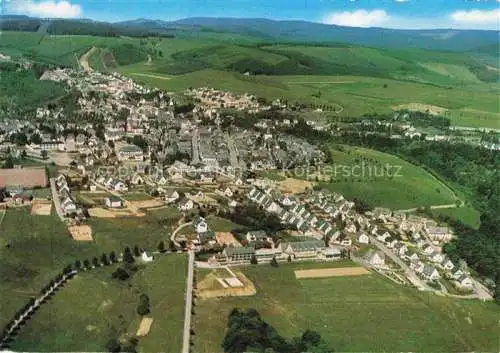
(358, 18)
(409, 0)
(477, 18)
(45, 9)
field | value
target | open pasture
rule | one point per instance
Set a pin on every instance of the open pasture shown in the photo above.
(107, 310)
(353, 314)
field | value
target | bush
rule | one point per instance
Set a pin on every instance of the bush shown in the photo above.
(120, 274)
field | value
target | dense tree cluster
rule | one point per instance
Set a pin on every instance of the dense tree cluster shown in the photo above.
(247, 332)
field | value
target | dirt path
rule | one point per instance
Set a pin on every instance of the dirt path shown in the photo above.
(84, 60)
(150, 75)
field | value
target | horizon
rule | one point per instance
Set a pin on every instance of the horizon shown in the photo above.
(389, 14)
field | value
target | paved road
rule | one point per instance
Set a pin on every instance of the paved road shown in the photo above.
(189, 303)
(55, 198)
(412, 277)
(196, 147)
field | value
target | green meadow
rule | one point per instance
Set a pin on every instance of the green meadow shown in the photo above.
(106, 309)
(353, 314)
(34, 249)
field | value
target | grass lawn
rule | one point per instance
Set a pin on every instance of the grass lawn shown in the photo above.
(33, 250)
(107, 309)
(218, 224)
(466, 214)
(413, 187)
(137, 196)
(364, 313)
(41, 193)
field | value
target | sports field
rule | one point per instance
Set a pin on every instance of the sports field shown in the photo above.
(354, 314)
(107, 310)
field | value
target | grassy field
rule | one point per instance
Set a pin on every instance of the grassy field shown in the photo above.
(467, 215)
(33, 249)
(353, 314)
(107, 309)
(373, 80)
(411, 187)
(356, 95)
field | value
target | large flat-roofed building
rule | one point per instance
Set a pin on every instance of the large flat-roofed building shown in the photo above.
(25, 177)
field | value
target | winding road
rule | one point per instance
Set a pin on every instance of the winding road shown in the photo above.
(177, 230)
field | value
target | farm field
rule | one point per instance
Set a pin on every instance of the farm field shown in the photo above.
(107, 310)
(353, 314)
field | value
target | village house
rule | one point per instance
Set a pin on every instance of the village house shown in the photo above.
(375, 258)
(185, 205)
(200, 225)
(207, 238)
(430, 273)
(130, 152)
(258, 235)
(447, 264)
(171, 196)
(439, 234)
(464, 282)
(363, 238)
(113, 202)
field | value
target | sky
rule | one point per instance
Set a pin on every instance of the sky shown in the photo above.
(406, 14)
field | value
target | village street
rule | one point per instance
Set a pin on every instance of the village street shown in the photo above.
(412, 277)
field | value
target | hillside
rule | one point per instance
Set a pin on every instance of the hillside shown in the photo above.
(268, 31)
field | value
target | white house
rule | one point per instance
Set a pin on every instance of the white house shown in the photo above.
(430, 273)
(465, 282)
(228, 192)
(171, 196)
(428, 250)
(375, 258)
(436, 257)
(113, 202)
(186, 205)
(447, 264)
(363, 238)
(145, 257)
(201, 225)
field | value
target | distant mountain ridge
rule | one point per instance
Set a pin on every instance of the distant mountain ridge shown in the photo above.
(303, 31)
(279, 31)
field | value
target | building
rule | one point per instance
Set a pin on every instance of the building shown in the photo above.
(430, 273)
(130, 152)
(363, 238)
(375, 258)
(238, 254)
(185, 205)
(258, 235)
(171, 196)
(200, 225)
(465, 282)
(266, 255)
(304, 249)
(113, 202)
(440, 234)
